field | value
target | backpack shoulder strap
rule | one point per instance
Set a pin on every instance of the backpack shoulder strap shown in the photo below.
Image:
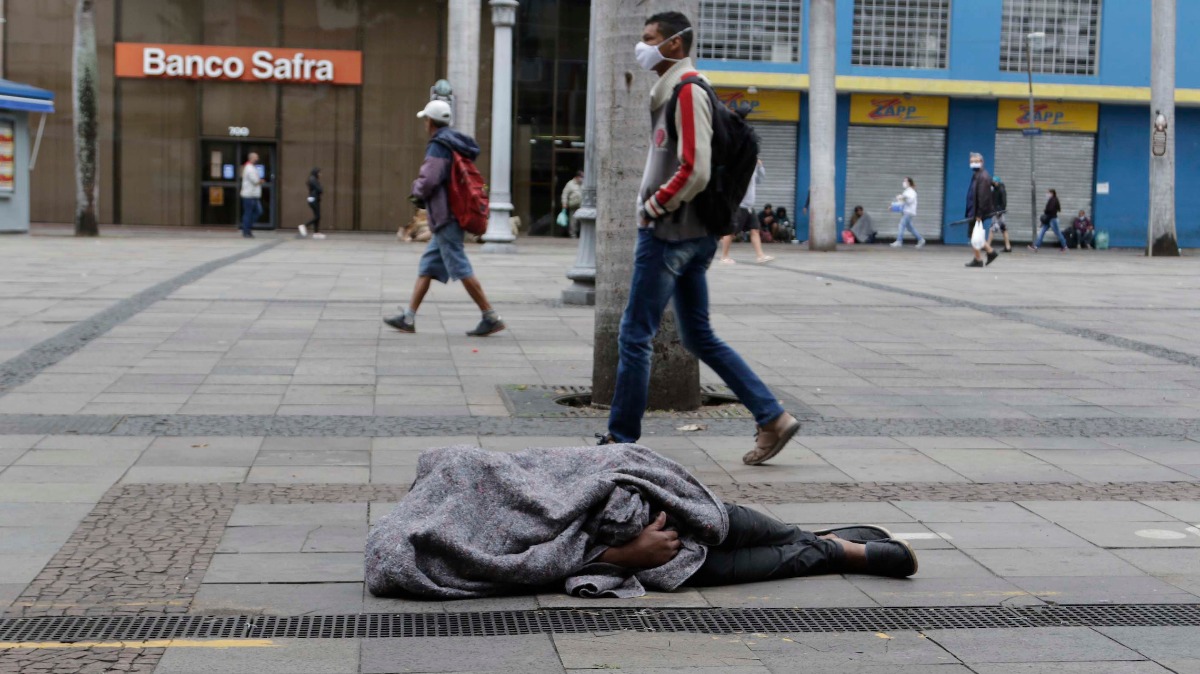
(688, 78)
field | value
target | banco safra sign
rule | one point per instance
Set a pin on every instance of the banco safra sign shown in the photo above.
(241, 64)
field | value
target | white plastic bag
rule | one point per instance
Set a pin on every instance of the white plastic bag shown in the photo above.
(978, 236)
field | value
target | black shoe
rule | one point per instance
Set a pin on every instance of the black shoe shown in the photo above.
(893, 558)
(1008, 250)
(247, 235)
(606, 439)
(992, 256)
(974, 263)
(402, 323)
(861, 533)
(487, 326)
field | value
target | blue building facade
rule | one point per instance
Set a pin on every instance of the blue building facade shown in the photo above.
(1095, 81)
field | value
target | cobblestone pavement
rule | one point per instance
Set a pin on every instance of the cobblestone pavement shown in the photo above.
(191, 425)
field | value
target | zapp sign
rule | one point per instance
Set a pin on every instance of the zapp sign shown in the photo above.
(244, 64)
(765, 105)
(1050, 115)
(899, 110)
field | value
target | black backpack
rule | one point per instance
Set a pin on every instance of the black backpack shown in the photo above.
(734, 158)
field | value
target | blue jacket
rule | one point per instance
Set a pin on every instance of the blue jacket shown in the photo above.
(434, 177)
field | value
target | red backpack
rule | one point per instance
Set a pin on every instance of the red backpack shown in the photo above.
(468, 195)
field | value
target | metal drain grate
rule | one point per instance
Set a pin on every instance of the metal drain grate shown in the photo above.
(514, 623)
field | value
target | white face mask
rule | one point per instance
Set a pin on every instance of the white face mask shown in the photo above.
(648, 55)
(976, 165)
(903, 186)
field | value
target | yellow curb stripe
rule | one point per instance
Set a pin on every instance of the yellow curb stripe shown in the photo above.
(153, 643)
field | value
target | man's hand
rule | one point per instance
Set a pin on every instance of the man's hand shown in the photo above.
(653, 547)
(645, 220)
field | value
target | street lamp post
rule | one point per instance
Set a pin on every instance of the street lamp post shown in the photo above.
(1032, 133)
(499, 237)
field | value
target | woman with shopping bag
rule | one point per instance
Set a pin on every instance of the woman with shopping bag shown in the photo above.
(907, 206)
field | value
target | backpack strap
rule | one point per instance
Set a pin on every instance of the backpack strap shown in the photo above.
(688, 78)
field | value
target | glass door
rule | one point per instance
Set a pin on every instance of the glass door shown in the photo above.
(221, 181)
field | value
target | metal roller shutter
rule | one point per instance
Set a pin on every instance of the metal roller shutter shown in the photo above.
(777, 150)
(1065, 162)
(878, 159)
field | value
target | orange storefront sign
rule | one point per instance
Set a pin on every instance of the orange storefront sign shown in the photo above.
(243, 64)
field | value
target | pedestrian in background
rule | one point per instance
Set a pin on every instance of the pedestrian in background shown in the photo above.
(1082, 233)
(745, 221)
(1050, 221)
(251, 194)
(314, 202)
(444, 259)
(979, 209)
(1000, 203)
(572, 199)
(908, 211)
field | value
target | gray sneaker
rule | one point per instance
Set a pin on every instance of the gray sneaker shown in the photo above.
(402, 323)
(487, 326)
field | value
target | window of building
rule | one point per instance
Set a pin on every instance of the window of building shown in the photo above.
(750, 30)
(1072, 36)
(901, 33)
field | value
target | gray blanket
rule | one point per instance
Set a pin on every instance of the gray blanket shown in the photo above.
(479, 523)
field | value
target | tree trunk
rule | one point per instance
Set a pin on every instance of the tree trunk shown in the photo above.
(86, 118)
(622, 140)
(1161, 235)
(822, 124)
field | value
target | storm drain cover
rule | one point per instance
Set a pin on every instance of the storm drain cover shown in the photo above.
(536, 400)
(575, 621)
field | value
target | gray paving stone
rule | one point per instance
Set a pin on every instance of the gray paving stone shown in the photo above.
(1087, 561)
(1108, 667)
(42, 514)
(930, 590)
(52, 493)
(789, 593)
(278, 599)
(1045, 644)
(1161, 562)
(283, 656)
(1188, 511)
(1096, 511)
(975, 535)
(1158, 643)
(52, 473)
(1085, 590)
(184, 474)
(621, 650)
(933, 511)
(841, 652)
(303, 514)
(312, 457)
(330, 567)
(532, 653)
(310, 474)
(1136, 534)
(20, 568)
(682, 598)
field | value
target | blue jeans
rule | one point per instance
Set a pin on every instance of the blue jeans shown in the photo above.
(906, 221)
(662, 270)
(251, 210)
(445, 259)
(1057, 232)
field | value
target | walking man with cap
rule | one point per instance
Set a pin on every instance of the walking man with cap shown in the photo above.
(445, 259)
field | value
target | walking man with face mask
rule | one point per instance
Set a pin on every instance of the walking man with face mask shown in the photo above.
(980, 207)
(675, 249)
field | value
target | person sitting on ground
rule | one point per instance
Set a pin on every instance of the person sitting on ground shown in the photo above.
(861, 226)
(1082, 233)
(600, 521)
(766, 223)
(787, 232)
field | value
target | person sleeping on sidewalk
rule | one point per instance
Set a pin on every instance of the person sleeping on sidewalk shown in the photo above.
(605, 521)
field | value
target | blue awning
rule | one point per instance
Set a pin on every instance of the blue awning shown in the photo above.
(17, 96)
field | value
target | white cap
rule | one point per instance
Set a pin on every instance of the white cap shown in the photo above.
(438, 111)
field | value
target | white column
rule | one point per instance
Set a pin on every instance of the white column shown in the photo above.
(583, 290)
(462, 61)
(499, 237)
(822, 124)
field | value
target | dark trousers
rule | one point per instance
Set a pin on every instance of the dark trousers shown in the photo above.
(760, 548)
(251, 210)
(315, 223)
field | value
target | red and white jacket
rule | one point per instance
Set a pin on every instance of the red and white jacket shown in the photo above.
(677, 171)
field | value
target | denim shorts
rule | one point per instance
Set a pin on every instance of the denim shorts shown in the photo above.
(445, 259)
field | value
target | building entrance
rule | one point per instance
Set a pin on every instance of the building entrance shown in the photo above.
(221, 181)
